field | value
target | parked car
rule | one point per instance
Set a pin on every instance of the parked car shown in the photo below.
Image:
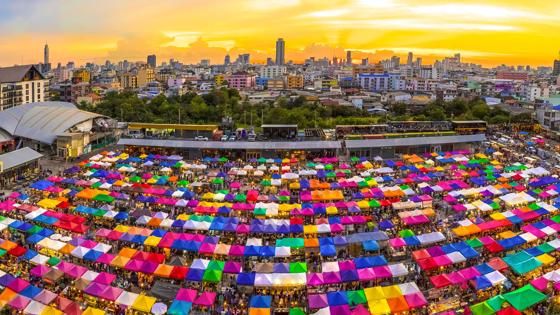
(232, 138)
(252, 137)
(224, 138)
(201, 138)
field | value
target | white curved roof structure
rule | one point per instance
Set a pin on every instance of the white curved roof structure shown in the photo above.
(43, 121)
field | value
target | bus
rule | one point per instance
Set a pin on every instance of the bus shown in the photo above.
(470, 126)
(344, 131)
(419, 126)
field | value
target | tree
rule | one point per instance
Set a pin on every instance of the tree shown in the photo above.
(398, 108)
(480, 110)
(523, 118)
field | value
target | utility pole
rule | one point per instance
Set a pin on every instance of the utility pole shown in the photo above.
(179, 115)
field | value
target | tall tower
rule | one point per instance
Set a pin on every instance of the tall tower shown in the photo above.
(280, 50)
(349, 57)
(409, 59)
(46, 54)
(46, 66)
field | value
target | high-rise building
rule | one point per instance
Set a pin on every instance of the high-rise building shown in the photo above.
(348, 57)
(152, 61)
(556, 68)
(418, 62)
(409, 59)
(458, 57)
(227, 60)
(22, 85)
(46, 62)
(46, 54)
(365, 61)
(280, 51)
(395, 61)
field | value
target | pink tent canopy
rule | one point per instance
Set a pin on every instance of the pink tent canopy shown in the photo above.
(397, 242)
(111, 293)
(315, 279)
(105, 259)
(415, 300)
(366, 274)
(187, 295)
(18, 285)
(19, 302)
(205, 299)
(45, 297)
(236, 250)
(39, 270)
(360, 310)
(540, 283)
(105, 278)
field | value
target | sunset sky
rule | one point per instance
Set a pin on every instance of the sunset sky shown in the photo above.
(489, 32)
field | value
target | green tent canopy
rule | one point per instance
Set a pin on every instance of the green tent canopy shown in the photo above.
(216, 265)
(290, 242)
(406, 233)
(298, 267)
(296, 311)
(496, 302)
(212, 275)
(104, 198)
(53, 261)
(475, 242)
(356, 297)
(524, 297)
(482, 309)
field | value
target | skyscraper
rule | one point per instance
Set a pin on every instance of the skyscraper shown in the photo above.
(409, 59)
(227, 60)
(46, 54)
(556, 69)
(280, 50)
(458, 57)
(152, 61)
(348, 57)
(46, 67)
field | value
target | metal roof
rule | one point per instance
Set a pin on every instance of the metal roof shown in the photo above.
(233, 145)
(15, 73)
(414, 141)
(42, 121)
(18, 157)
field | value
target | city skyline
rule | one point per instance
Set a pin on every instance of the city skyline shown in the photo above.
(490, 33)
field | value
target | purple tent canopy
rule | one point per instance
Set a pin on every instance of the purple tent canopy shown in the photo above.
(95, 289)
(317, 300)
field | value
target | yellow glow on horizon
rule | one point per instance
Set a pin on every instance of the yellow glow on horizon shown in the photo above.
(490, 32)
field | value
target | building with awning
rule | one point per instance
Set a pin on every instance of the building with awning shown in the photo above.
(198, 149)
(55, 126)
(16, 164)
(389, 148)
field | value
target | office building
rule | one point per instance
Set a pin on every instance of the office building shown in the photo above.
(46, 66)
(21, 85)
(294, 82)
(272, 72)
(409, 59)
(348, 57)
(152, 61)
(556, 68)
(241, 80)
(227, 60)
(280, 51)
